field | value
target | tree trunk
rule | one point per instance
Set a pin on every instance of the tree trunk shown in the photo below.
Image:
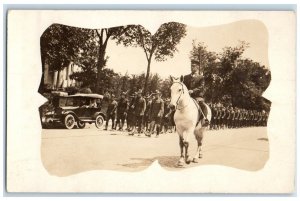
(100, 66)
(58, 79)
(147, 76)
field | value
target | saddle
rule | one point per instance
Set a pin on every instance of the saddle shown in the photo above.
(202, 112)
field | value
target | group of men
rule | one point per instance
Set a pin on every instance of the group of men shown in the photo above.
(148, 114)
(151, 114)
(233, 117)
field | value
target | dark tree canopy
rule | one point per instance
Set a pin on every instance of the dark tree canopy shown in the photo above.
(61, 44)
(232, 79)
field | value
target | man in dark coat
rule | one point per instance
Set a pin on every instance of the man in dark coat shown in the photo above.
(139, 111)
(122, 110)
(130, 115)
(156, 113)
(148, 99)
(195, 84)
(111, 112)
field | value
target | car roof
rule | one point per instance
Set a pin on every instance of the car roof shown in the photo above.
(87, 95)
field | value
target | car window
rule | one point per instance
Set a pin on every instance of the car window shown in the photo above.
(62, 102)
(70, 102)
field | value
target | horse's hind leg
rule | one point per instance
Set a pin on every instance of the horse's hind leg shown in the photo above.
(199, 137)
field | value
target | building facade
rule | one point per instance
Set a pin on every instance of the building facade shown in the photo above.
(60, 79)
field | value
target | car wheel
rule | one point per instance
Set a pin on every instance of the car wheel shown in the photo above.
(69, 121)
(80, 124)
(99, 121)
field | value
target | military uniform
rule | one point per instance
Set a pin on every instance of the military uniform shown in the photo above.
(147, 113)
(122, 110)
(139, 111)
(111, 113)
(165, 119)
(156, 113)
(195, 83)
(223, 117)
(218, 117)
(236, 118)
(214, 116)
(251, 118)
(130, 115)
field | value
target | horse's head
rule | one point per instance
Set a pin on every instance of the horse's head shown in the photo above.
(178, 91)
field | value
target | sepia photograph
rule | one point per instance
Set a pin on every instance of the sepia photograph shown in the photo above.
(124, 97)
(182, 96)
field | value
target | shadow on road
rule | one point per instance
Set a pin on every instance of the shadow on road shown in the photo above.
(263, 139)
(164, 161)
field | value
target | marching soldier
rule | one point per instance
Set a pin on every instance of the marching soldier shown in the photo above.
(241, 118)
(259, 120)
(255, 117)
(230, 117)
(236, 118)
(122, 110)
(148, 99)
(111, 112)
(156, 111)
(251, 118)
(130, 114)
(227, 116)
(265, 118)
(165, 118)
(139, 111)
(213, 117)
(219, 115)
(223, 117)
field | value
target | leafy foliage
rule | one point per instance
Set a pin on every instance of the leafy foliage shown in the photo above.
(160, 45)
(61, 44)
(232, 79)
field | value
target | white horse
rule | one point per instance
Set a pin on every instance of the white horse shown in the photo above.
(186, 118)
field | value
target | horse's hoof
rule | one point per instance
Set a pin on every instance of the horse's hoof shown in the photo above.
(180, 164)
(195, 160)
(200, 155)
(188, 160)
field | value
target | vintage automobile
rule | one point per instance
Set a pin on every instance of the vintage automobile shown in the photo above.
(72, 110)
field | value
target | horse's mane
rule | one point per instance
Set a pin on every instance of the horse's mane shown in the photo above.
(182, 84)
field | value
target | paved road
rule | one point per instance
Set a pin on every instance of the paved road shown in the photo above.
(66, 152)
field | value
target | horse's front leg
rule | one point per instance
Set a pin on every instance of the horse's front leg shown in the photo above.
(181, 160)
(188, 159)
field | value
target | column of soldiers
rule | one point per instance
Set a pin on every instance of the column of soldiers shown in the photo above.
(150, 115)
(233, 117)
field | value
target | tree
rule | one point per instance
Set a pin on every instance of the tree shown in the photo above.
(232, 79)
(60, 45)
(208, 65)
(164, 87)
(204, 57)
(243, 80)
(160, 45)
(102, 36)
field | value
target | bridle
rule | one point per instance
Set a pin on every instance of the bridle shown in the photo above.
(182, 92)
